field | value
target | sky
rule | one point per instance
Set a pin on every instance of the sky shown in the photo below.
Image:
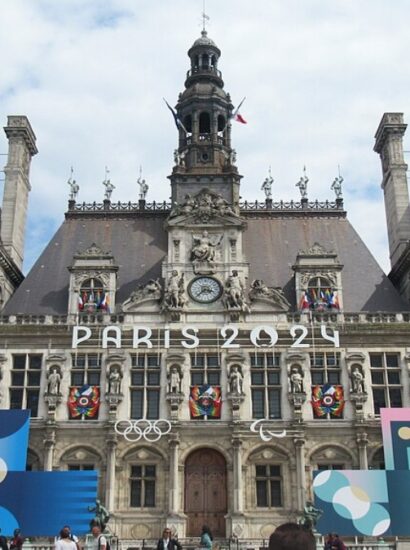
(317, 75)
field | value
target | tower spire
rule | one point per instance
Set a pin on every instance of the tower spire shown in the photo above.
(205, 18)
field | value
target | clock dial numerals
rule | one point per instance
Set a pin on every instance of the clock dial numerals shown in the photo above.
(205, 290)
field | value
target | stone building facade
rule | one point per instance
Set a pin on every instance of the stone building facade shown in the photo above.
(205, 356)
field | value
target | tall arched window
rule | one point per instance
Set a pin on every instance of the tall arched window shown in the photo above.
(204, 123)
(188, 123)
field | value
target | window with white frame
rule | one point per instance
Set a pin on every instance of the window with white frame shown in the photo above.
(25, 382)
(145, 386)
(265, 385)
(386, 380)
(325, 368)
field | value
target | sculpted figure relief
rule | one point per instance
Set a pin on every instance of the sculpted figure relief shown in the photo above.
(175, 293)
(204, 249)
(259, 290)
(205, 205)
(143, 185)
(267, 187)
(234, 292)
(151, 290)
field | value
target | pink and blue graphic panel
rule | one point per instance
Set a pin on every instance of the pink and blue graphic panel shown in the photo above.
(39, 503)
(370, 502)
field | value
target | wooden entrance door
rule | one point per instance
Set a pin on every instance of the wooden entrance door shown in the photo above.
(205, 492)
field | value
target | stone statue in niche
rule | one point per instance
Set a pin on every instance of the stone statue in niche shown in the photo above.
(53, 381)
(357, 380)
(296, 380)
(114, 380)
(174, 379)
(235, 381)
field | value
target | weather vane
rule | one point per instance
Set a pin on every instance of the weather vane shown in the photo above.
(205, 17)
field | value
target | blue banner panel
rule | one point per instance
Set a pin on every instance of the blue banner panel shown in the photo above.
(40, 503)
(14, 428)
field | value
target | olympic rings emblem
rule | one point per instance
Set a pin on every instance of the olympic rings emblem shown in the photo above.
(267, 435)
(142, 429)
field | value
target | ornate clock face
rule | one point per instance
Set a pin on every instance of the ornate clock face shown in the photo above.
(205, 290)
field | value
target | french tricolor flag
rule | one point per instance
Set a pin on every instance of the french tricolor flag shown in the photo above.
(236, 115)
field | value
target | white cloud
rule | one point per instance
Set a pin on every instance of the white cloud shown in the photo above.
(318, 76)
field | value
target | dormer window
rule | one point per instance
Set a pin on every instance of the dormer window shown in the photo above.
(93, 282)
(93, 297)
(320, 295)
(318, 280)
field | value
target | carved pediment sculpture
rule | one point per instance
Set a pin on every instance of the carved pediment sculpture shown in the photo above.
(204, 252)
(259, 291)
(203, 207)
(144, 293)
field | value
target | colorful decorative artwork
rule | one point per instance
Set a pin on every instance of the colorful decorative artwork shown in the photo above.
(370, 502)
(205, 401)
(84, 401)
(327, 400)
(38, 503)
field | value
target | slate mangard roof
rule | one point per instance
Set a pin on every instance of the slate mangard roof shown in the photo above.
(139, 245)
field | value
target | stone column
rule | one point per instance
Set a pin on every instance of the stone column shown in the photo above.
(173, 476)
(110, 473)
(300, 472)
(49, 444)
(237, 477)
(362, 442)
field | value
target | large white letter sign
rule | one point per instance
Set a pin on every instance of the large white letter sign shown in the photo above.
(77, 339)
(145, 339)
(116, 339)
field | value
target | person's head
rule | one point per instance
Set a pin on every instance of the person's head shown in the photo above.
(65, 533)
(166, 534)
(291, 536)
(205, 529)
(96, 531)
(16, 532)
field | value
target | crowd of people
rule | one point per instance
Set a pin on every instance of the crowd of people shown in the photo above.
(289, 536)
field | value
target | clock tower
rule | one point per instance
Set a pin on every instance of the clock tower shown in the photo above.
(205, 270)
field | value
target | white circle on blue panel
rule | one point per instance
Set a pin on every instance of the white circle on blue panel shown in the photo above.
(326, 483)
(375, 523)
(7, 521)
(3, 470)
(351, 502)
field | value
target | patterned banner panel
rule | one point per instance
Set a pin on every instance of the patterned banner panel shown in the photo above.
(14, 428)
(370, 502)
(205, 401)
(39, 503)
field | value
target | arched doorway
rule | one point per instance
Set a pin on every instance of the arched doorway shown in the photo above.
(205, 492)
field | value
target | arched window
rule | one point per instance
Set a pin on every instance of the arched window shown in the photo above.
(320, 295)
(196, 63)
(92, 297)
(204, 123)
(213, 61)
(221, 123)
(205, 62)
(377, 462)
(188, 123)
